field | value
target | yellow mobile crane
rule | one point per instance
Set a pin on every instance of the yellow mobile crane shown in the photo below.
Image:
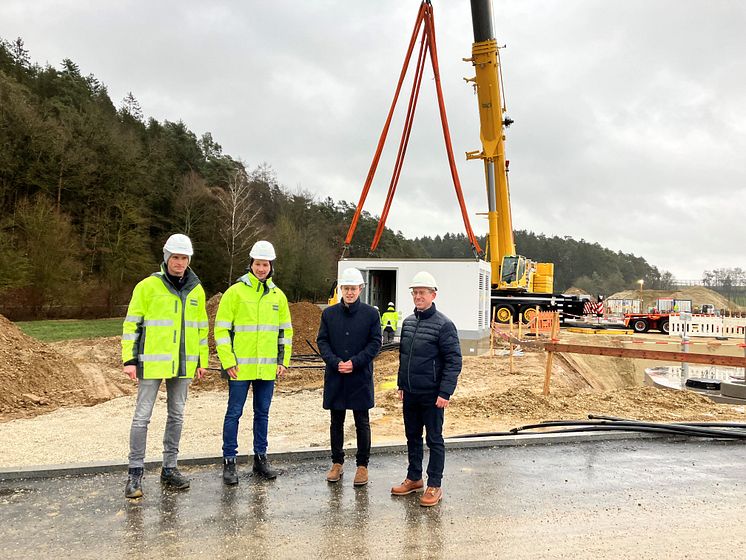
(519, 285)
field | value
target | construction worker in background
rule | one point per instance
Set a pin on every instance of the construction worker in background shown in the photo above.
(349, 339)
(164, 337)
(429, 366)
(389, 323)
(253, 336)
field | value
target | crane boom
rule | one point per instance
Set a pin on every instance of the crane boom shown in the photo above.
(485, 61)
(520, 286)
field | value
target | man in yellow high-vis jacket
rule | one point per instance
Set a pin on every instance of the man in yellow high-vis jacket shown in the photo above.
(164, 338)
(389, 323)
(253, 337)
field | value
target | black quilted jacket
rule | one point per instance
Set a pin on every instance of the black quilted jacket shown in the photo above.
(430, 354)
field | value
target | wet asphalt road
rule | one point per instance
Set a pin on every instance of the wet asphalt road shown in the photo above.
(613, 499)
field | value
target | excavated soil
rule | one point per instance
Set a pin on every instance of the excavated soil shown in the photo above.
(35, 378)
(491, 396)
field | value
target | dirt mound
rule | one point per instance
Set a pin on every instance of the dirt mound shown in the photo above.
(637, 403)
(35, 378)
(513, 402)
(100, 361)
(306, 319)
(212, 311)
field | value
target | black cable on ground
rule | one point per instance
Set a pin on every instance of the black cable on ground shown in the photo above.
(741, 425)
(632, 424)
(729, 431)
(314, 350)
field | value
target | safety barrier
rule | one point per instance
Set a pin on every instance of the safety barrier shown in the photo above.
(542, 323)
(707, 325)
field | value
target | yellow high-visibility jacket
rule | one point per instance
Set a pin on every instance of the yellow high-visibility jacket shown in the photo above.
(390, 317)
(166, 329)
(253, 329)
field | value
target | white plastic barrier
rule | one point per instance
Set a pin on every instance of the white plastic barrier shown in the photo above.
(707, 326)
(734, 327)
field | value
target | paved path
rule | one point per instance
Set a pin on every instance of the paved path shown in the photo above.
(611, 499)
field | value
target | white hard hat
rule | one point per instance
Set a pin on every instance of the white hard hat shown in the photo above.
(351, 277)
(424, 279)
(178, 244)
(391, 304)
(263, 250)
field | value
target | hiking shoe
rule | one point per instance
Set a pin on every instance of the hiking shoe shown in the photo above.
(335, 473)
(431, 497)
(171, 477)
(407, 487)
(134, 483)
(230, 476)
(361, 476)
(262, 468)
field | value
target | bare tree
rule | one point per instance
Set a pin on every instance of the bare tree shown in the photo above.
(239, 224)
(191, 201)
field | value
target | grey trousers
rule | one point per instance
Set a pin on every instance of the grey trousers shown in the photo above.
(147, 391)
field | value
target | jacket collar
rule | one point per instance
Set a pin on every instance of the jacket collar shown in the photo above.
(252, 281)
(429, 312)
(351, 308)
(190, 280)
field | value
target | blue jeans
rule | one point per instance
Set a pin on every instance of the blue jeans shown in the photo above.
(237, 393)
(420, 412)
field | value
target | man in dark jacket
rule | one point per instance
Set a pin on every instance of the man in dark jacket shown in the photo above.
(349, 338)
(429, 366)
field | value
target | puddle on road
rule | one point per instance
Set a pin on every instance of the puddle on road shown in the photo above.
(675, 376)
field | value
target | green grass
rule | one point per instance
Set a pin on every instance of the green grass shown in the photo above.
(51, 331)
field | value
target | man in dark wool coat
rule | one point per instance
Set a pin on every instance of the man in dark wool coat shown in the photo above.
(349, 338)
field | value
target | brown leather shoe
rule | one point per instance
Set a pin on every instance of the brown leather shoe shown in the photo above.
(361, 476)
(407, 487)
(431, 497)
(335, 473)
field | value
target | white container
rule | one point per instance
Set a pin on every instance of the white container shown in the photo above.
(463, 292)
(621, 306)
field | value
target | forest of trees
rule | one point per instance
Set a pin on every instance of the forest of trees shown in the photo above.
(89, 192)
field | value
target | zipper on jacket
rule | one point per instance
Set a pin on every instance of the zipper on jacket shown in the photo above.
(411, 351)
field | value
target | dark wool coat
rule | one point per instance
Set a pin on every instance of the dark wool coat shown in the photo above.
(349, 333)
(429, 354)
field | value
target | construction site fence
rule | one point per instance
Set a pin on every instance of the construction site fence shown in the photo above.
(539, 325)
(707, 326)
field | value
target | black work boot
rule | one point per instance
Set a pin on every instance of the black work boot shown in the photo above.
(171, 477)
(230, 476)
(134, 483)
(262, 468)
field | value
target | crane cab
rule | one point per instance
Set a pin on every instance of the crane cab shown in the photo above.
(516, 273)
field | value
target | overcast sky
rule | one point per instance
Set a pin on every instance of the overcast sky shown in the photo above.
(630, 116)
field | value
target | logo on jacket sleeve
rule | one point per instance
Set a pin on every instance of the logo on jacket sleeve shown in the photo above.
(275, 307)
(193, 302)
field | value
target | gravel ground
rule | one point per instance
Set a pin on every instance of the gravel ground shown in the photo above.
(101, 433)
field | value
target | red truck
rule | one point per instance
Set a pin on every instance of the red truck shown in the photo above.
(657, 318)
(643, 322)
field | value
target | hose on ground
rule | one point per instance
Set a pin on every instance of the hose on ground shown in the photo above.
(715, 430)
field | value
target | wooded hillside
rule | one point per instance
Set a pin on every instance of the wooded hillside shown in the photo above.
(90, 191)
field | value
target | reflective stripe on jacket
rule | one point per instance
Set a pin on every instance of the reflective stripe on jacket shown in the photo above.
(165, 329)
(253, 329)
